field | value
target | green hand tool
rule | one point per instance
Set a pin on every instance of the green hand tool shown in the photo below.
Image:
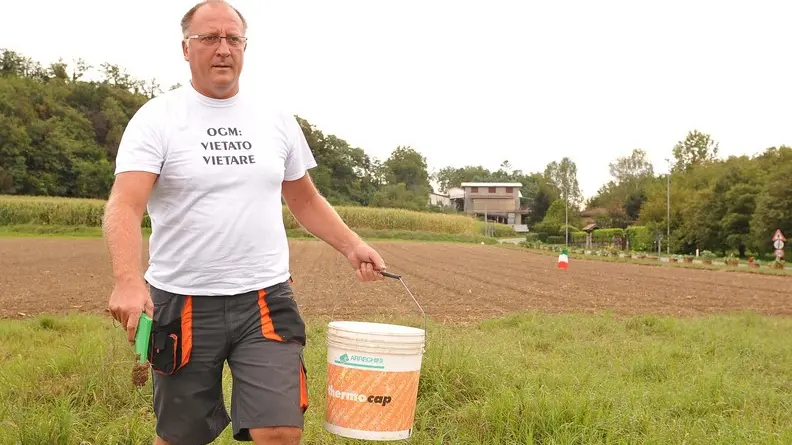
(142, 337)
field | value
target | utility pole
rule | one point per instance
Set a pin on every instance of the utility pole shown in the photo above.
(566, 219)
(668, 208)
(486, 221)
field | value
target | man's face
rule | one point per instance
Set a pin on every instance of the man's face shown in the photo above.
(215, 63)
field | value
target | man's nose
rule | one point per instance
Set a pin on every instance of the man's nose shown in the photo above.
(223, 48)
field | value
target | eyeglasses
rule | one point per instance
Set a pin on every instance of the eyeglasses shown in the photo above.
(211, 40)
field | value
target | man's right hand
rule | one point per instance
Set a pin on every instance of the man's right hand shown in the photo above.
(126, 304)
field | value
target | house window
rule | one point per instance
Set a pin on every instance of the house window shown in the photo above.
(492, 189)
(474, 190)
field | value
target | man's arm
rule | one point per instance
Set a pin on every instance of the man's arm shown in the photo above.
(121, 224)
(121, 228)
(314, 213)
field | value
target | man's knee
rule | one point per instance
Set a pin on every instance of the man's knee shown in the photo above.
(160, 441)
(276, 435)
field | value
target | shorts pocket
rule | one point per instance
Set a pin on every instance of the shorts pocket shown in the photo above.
(171, 343)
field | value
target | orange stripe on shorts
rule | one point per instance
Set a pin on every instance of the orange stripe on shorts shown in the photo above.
(186, 330)
(267, 327)
(303, 390)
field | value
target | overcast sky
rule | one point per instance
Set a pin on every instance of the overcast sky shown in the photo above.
(473, 82)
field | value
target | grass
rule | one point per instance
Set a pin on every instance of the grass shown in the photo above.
(556, 379)
(60, 231)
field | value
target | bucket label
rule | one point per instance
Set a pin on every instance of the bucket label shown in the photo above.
(371, 400)
(361, 361)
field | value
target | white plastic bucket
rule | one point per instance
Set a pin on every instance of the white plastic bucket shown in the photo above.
(372, 379)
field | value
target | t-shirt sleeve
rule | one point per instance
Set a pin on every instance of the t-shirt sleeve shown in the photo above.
(299, 158)
(141, 147)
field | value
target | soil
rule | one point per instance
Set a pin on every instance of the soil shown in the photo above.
(453, 283)
(140, 372)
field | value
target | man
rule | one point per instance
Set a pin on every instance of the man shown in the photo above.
(211, 163)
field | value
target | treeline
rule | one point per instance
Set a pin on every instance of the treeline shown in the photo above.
(731, 205)
(59, 134)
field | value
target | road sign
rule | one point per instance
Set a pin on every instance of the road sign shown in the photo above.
(779, 253)
(778, 244)
(778, 236)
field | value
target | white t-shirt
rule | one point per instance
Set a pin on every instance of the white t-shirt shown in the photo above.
(216, 214)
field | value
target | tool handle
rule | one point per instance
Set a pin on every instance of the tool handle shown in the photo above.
(142, 337)
(390, 275)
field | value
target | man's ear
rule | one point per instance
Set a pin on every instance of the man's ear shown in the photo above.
(184, 51)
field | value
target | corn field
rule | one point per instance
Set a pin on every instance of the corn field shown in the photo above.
(88, 212)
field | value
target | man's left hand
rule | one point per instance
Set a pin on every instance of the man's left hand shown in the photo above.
(367, 263)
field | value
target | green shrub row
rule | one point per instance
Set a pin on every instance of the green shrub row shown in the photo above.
(639, 237)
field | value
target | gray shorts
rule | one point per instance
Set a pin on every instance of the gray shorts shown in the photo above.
(260, 334)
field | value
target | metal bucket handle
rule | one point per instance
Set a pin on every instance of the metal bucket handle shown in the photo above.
(398, 277)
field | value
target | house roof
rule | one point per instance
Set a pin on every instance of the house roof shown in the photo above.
(491, 184)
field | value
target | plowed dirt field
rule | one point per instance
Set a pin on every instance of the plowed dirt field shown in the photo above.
(453, 282)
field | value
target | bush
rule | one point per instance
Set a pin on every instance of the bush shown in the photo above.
(555, 239)
(577, 237)
(640, 238)
(607, 236)
(501, 230)
(570, 227)
(551, 228)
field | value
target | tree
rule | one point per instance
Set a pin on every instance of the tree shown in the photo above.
(80, 68)
(408, 167)
(448, 177)
(698, 148)
(406, 181)
(344, 174)
(563, 175)
(632, 168)
(773, 208)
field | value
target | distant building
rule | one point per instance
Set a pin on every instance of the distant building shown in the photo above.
(457, 197)
(497, 201)
(454, 198)
(439, 199)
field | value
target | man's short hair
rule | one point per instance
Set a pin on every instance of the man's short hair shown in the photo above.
(187, 19)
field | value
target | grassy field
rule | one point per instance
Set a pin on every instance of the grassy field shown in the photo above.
(60, 212)
(59, 231)
(563, 379)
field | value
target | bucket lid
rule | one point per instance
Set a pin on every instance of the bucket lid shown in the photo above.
(362, 327)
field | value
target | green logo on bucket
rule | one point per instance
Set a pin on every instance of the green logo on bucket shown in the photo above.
(361, 361)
